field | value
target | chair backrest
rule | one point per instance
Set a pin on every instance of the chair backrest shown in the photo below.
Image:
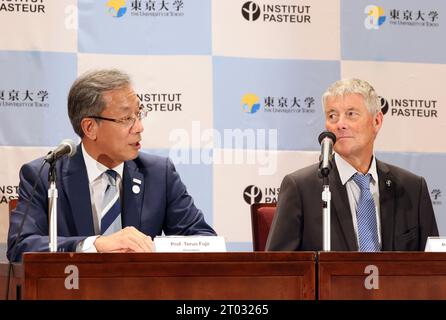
(262, 215)
(12, 205)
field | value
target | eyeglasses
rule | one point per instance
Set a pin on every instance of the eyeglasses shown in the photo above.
(127, 121)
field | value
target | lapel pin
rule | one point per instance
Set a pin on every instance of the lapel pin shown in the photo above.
(137, 181)
(388, 183)
(136, 189)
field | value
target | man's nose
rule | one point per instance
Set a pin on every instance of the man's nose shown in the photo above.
(342, 123)
(137, 127)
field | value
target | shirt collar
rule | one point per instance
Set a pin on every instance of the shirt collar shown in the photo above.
(346, 171)
(95, 169)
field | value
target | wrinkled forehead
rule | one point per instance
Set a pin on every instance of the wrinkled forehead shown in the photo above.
(348, 100)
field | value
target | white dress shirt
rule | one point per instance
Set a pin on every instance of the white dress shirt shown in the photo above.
(346, 172)
(97, 182)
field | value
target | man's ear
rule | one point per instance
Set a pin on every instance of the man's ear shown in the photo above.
(90, 128)
(378, 121)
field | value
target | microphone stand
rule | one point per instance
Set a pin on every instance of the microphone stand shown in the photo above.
(326, 214)
(327, 139)
(52, 207)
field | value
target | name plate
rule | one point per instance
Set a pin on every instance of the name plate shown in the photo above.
(435, 244)
(189, 244)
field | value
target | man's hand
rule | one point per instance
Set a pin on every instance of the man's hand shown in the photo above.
(128, 239)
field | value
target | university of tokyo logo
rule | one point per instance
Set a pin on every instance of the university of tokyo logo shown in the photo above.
(251, 11)
(375, 17)
(116, 8)
(250, 103)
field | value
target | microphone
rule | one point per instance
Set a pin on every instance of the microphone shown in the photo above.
(327, 139)
(66, 147)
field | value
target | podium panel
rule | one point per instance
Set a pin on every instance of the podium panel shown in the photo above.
(382, 275)
(15, 283)
(183, 276)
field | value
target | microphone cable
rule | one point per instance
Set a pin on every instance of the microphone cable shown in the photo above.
(19, 233)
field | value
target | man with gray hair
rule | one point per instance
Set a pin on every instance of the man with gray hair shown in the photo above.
(112, 198)
(375, 206)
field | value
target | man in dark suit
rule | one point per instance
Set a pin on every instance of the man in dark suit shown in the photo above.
(146, 190)
(396, 202)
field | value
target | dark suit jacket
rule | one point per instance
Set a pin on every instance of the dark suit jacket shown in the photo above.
(407, 216)
(162, 204)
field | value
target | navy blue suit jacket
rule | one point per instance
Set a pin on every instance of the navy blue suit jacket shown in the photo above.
(162, 204)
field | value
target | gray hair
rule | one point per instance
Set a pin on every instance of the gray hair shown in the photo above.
(85, 97)
(351, 86)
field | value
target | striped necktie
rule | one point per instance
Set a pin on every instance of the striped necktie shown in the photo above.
(366, 216)
(111, 206)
